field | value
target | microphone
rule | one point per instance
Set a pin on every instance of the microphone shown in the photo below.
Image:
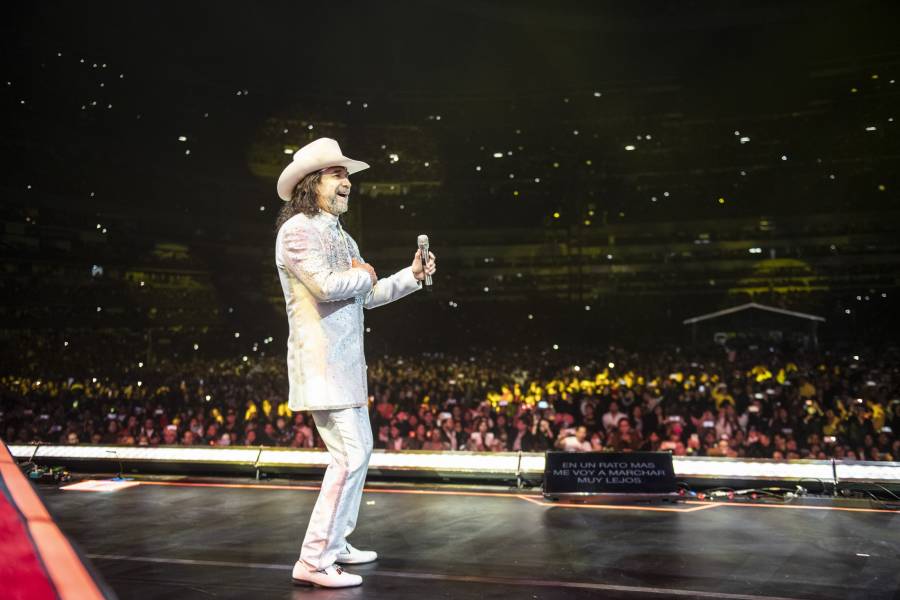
(423, 253)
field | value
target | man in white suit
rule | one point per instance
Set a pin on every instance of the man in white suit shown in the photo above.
(326, 285)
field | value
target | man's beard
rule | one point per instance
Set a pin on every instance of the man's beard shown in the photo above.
(337, 204)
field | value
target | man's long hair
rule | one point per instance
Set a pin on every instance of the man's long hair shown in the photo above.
(303, 200)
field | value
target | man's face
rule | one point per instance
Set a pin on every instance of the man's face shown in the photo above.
(581, 434)
(333, 191)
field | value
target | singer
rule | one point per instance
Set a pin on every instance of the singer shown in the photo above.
(326, 285)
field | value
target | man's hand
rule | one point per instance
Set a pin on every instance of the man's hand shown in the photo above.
(417, 269)
(366, 267)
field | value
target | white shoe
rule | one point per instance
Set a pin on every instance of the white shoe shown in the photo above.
(352, 556)
(329, 577)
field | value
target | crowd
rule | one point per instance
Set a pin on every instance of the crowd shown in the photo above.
(755, 403)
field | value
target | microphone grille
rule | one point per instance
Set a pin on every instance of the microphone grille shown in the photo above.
(423, 240)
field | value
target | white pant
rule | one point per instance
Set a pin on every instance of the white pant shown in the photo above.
(348, 436)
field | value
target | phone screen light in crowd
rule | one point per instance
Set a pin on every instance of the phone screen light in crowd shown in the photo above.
(576, 368)
(859, 400)
(543, 404)
(709, 424)
(887, 429)
(758, 396)
(830, 439)
(753, 408)
(770, 391)
(612, 365)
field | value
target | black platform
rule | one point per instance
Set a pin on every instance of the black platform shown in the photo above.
(172, 539)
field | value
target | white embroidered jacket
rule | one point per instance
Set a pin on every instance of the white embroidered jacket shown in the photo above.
(324, 298)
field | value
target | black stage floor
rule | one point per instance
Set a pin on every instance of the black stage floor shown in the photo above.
(171, 539)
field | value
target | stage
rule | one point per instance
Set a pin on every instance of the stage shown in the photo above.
(172, 537)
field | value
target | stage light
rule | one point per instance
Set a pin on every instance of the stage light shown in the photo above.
(501, 464)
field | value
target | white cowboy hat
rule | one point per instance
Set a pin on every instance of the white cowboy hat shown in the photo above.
(317, 155)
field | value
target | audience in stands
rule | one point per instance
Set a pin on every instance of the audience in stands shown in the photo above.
(754, 403)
